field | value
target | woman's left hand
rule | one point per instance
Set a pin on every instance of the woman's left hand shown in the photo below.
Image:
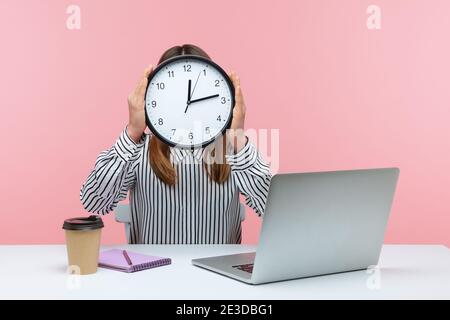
(236, 134)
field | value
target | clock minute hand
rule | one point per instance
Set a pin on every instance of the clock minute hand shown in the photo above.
(205, 98)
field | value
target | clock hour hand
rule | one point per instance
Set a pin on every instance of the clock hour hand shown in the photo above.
(189, 91)
(189, 96)
(204, 98)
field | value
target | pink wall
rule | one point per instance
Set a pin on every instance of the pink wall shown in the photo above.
(342, 96)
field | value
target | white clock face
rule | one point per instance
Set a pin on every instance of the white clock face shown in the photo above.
(189, 101)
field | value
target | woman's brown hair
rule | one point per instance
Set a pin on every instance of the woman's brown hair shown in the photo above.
(159, 152)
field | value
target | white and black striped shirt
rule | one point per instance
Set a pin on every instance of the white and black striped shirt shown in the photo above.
(196, 210)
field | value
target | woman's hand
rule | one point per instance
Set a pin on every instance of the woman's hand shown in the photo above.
(136, 122)
(236, 134)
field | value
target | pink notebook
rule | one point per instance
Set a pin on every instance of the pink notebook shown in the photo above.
(114, 259)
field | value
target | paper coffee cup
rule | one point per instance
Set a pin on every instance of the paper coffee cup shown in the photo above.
(83, 243)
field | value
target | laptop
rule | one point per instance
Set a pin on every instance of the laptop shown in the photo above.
(315, 224)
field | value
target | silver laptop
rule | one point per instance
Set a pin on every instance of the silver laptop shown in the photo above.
(315, 224)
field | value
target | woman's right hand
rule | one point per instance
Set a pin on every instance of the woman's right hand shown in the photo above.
(136, 123)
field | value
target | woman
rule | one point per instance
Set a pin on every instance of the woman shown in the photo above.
(176, 197)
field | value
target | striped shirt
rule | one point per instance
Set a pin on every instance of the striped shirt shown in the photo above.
(196, 210)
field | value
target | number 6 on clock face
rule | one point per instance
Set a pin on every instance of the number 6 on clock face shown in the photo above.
(189, 101)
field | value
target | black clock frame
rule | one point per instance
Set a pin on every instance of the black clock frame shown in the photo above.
(204, 60)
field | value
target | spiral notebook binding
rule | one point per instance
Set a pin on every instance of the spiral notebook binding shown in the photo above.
(151, 265)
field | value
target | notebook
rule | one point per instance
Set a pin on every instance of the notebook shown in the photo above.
(116, 260)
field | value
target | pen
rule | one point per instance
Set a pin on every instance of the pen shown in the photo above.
(127, 257)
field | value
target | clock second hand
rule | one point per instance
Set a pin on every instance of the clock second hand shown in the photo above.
(195, 85)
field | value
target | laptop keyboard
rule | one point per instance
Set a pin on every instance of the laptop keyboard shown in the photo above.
(245, 267)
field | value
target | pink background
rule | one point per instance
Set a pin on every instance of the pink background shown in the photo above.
(342, 96)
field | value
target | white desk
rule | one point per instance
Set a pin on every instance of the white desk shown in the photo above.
(39, 271)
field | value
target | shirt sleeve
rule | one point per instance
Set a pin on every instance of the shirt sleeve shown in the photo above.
(112, 175)
(252, 176)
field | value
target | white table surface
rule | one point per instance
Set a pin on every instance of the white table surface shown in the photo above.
(39, 272)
